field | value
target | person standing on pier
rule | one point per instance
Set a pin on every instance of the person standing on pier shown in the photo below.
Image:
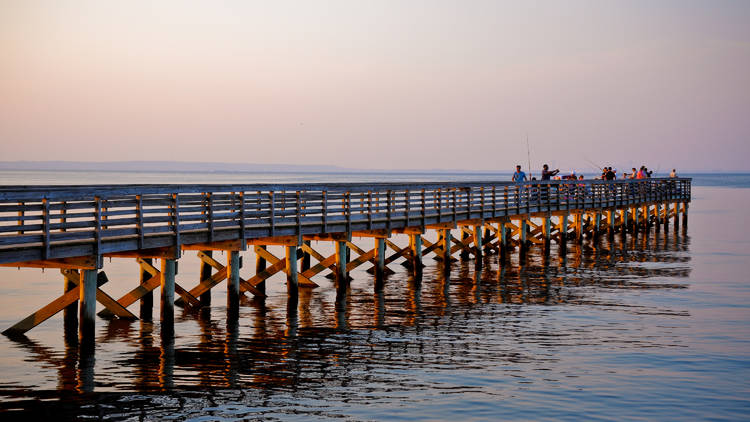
(610, 174)
(519, 176)
(547, 174)
(673, 174)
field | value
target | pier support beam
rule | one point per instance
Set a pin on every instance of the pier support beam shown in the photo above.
(292, 280)
(464, 236)
(233, 281)
(447, 242)
(523, 229)
(260, 266)
(147, 300)
(379, 258)
(167, 292)
(70, 312)
(597, 224)
(87, 302)
(415, 243)
(341, 252)
(478, 243)
(503, 234)
(657, 217)
(684, 215)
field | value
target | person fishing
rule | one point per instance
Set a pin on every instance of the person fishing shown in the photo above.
(547, 174)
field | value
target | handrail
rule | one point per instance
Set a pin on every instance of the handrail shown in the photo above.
(44, 222)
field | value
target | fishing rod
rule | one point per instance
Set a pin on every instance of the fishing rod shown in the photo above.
(594, 164)
(528, 154)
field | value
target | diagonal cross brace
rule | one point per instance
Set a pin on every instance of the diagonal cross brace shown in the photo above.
(273, 260)
(218, 277)
(184, 294)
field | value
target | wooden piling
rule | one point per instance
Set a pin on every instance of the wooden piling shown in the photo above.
(657, 217)
(260, 266)
(70, 312)
(597, 223)
(415, 243)
(167, 291)
(478, 245)
(379, 258)
(447, 242)
(146, 304)
(292, 281)
(503, 230)
(563, 229)
(341, 250)
(684, 215)
(233, 280)
(87, 303)
(305, 264)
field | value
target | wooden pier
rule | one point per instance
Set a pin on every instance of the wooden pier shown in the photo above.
(72, 228)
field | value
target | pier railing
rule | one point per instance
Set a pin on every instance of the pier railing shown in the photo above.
(49, 222)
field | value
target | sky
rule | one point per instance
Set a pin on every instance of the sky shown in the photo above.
(379, 84)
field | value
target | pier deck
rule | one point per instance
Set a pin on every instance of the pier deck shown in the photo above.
(74, 227)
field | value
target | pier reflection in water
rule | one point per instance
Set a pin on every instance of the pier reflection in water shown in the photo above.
(361, 343)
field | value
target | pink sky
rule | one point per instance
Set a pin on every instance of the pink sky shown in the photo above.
(386, 84)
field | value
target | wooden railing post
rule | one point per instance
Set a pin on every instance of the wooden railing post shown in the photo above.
(176, 224)
(46, 229)
(271, 214)
(325, 211)
(210, 213)
(98, 228)
(243, 241)
(139, 219)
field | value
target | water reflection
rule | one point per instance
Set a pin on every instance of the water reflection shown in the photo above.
(358, 332)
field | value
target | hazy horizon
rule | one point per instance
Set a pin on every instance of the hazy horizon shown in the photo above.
(219, 167)
(423, 85)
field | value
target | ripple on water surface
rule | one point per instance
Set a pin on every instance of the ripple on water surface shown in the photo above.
(604, 331)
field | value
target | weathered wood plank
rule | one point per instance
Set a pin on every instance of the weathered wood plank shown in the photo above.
(43, 313)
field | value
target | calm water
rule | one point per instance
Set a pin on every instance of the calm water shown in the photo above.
(653, 328)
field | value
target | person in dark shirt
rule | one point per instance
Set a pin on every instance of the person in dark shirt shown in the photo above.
(610, 175)
(547, 174)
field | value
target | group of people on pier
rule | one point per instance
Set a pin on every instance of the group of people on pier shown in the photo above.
(607, 174)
